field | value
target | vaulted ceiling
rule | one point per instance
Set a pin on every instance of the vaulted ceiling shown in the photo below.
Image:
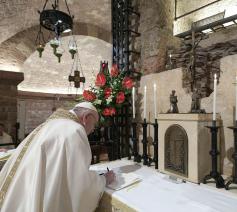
(19, 24)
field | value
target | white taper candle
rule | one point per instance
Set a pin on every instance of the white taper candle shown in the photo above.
(133, 102)
(144, 102)
(155, 112)
(214, 98)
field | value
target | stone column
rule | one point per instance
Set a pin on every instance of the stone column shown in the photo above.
(156, 27)
(8, 99)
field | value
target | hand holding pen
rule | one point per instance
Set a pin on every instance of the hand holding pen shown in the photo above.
(109, 176)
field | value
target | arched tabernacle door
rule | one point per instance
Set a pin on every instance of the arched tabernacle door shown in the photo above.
(176, 150)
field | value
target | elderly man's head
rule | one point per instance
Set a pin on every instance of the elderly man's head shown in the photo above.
(87, 115)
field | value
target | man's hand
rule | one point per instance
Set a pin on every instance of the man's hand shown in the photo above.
(110, 177)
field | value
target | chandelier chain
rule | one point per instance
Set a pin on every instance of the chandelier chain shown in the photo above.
(45, 4)
(68, 8)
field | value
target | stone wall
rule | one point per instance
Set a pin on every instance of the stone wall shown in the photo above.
(156, 28)
(172, 79)
(47, 75)
(207, 61)
(35, 108)
(19, 47)
(19, 15)
(8, 99)
(184, 24)
(218, 55)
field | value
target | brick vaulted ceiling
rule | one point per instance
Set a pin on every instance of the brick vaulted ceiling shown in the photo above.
(19, 24)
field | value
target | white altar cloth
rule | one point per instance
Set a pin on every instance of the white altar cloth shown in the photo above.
(155, 193)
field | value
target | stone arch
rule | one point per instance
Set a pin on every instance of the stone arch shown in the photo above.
(19, 47)
(47, 75)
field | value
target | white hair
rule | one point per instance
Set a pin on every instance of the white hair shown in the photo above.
(81, 111)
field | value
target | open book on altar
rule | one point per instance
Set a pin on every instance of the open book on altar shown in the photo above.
(124, 180)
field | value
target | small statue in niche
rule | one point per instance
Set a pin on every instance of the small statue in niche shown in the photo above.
(196, 102)
(173, 103)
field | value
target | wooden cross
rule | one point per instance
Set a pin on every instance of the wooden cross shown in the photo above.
(76, 79)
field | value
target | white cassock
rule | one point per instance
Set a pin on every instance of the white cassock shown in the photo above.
(53, 174)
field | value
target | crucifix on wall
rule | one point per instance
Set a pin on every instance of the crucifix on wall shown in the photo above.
(197, 60)
(76, 79)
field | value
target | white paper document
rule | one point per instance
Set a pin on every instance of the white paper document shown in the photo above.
(124, 180)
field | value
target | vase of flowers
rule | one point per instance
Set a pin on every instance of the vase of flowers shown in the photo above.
(111, 91)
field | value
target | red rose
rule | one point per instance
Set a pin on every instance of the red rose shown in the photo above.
(106, 111)
(127, 82)
(100, 80)
(109, 111)
(114, 70)
(107, 92)
(112, 111)
(104, 68)
(89, 95)
(120, 97)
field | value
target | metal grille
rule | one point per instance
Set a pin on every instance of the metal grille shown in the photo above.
(117, 135)
(176, 150)
(125, 20)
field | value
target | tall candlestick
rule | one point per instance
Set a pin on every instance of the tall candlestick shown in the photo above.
(155, 112)
(214, 98)
(236, 98)
(133, 102)
(144, 102)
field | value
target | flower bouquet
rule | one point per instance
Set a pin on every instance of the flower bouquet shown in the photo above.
(111, 91)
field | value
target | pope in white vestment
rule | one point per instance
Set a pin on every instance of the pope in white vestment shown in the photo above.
(49, 171)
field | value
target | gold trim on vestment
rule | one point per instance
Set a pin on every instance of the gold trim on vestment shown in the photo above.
(60, 113)
(108, 203)
(63, 114)
(12, 172)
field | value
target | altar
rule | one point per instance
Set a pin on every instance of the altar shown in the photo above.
(157, 192)
(184, 145)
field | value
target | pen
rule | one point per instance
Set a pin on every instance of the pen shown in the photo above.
(104, 173)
